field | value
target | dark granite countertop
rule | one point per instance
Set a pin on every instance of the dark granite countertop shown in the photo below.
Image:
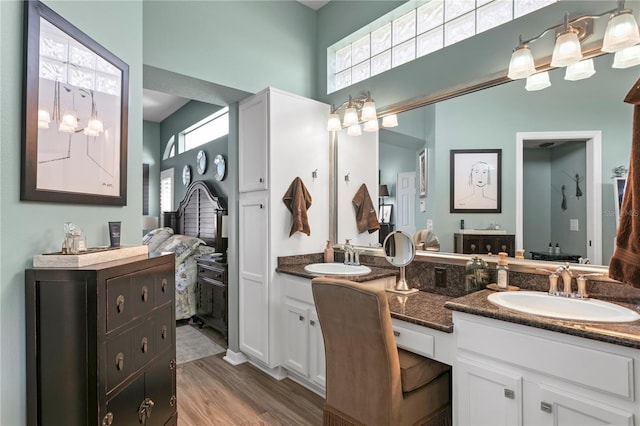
(625, 334)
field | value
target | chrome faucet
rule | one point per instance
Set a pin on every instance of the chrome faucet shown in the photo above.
(567, 277)
(349, 254)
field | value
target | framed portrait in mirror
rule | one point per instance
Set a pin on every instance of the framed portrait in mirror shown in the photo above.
(385, 213)
(476, 181)
(618, 189)
(74, 147)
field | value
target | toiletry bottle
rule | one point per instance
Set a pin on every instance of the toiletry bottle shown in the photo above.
(550, 249)
(557, 248)
(328, 253)
(502, 272)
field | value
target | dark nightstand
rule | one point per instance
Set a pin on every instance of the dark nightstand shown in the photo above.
(211, 293)
(385, 229)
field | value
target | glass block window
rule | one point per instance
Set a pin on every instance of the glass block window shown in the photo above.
(411, 31)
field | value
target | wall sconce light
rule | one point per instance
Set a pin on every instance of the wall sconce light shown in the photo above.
(621, 33)
(356, 110)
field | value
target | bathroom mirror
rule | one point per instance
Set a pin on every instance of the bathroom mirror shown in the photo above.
(492, 118)
(399, 251)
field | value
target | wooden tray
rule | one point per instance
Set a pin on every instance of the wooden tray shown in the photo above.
(494, 287)
(90, 257)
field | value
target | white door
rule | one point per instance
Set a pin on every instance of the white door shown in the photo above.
(296, 338)
(406, 202)
(253, 142)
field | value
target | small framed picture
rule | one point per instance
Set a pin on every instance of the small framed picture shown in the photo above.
(423, 159)
(476, 181)
(385, 213)
(618, 189)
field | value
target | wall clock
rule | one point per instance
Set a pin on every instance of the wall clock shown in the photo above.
(201, 162)
(219, 167)
(186, 175)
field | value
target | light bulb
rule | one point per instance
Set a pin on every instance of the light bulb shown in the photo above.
(521, 64)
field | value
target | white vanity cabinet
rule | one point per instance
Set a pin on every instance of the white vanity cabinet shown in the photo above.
(302, 342)
(511, 374)
(281, 136)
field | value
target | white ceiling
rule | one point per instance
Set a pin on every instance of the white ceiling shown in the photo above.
(157, 106)
(314, 4)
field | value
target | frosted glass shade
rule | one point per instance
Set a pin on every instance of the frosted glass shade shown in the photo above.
(43, 119)
(627, 57)
(580, 70)
(90, 132)
(354, 130)
(65, 128)
(390, 120)
(371, 126)
(333, 124)
(369, 111)
(521, 64)
(537, 81)
(622, 32)
(96, 125)
(567, 49)
(350, 117)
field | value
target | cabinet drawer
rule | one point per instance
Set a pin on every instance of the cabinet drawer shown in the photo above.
(120, 359)
(143, 292)
(165, 329)
(119, 306)
(143, 345)
(164, 277)
(206, 271)
(298, 288)
(414, 341)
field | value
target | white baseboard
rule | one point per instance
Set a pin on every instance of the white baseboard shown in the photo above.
(235, 358)
(277, 373)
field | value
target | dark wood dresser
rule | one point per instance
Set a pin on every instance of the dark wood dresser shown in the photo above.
(211, 294)
(484, 243)
(101, 343)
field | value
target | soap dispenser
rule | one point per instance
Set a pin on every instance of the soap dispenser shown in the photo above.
(502, 272)
(328, 253)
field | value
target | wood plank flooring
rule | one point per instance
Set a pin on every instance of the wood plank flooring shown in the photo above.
(214, 392)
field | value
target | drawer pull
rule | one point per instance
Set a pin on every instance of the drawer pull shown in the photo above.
(301, 318)
(546, 407)
(164, 332)
(107, 419)
(312, 322)
(172, 364)
(504, 247)
(172, 401)
(145, 293)
(473, 248)
(120, 361)
(508, 393)
(488, 248)
(164, 285)
(144, 345)
(144, 411)
(396, 333)
(120, 303)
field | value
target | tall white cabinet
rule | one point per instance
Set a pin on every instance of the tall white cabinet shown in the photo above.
(281, 136)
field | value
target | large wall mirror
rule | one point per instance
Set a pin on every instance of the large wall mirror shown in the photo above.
(556, 180)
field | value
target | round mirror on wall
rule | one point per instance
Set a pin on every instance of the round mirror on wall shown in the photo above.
(219, 167)
(399, 251)
(201, 162)
(186, 175)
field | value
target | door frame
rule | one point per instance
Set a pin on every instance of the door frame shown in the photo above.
(593, 139)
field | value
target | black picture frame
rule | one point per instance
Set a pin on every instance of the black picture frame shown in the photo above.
(476, 181)
(75, 115)
(619, 185)
(385, 213)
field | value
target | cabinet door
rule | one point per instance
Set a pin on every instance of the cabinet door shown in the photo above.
(296, 337)
(560, 408)
(317, 363)
(253, 144)
(487, 396)
(253, 278)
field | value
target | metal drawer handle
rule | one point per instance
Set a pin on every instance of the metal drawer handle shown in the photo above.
(312, 322)
(120, 361)
(473, 248)
(301, 318)
(145, 293)
(144, 412)
(164, 332)
(489, 248)
(508, 393)
(144, 345)
(172, 364)
(172, 400)
(546, 407)
(396, 333)
(504, 247)
(120, 303)
(107, 419)
(164, 285)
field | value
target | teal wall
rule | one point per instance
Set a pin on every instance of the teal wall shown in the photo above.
(151, 154)
(31, 228)
(536, 201)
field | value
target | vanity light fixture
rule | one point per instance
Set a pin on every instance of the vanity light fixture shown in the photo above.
(357, 110)
(538, 81)
(621, 33)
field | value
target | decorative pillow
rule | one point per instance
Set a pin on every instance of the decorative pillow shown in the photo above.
(181, 245)
(156, 237)
(204, 250)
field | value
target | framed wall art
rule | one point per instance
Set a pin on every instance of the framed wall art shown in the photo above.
(476, 181)
(423, 160)
(618, 189)
(74, 147)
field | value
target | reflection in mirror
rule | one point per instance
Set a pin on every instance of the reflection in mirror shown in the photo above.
(399, 250)
(492, 119)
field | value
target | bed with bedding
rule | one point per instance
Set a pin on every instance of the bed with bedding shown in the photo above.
(196, 232)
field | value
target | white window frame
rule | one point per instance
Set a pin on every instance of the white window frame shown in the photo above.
(167, 176)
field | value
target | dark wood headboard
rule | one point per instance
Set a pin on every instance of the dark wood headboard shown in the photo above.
(200, 215)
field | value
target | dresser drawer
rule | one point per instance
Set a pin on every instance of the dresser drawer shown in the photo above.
(119, 358)
(144, 344)
(143, 292)
(212, 272)
(164, 277)
(165, 329)
(414, 341)
(119, 304)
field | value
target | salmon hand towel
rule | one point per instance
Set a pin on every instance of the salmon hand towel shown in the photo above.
(298, 201)
(624, 265)
(366, 216)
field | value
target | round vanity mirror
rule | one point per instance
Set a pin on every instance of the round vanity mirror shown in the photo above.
(201, 162)
(219, 167)
(399, 251)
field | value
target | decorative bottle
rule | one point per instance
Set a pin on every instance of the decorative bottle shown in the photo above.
(557, 248)
(502, 272)
(550, 249)
(328, 253)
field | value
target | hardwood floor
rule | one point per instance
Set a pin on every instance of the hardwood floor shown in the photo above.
(214, 392)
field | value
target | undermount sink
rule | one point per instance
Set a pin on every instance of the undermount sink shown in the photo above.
(543, 304)
(337, 269)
